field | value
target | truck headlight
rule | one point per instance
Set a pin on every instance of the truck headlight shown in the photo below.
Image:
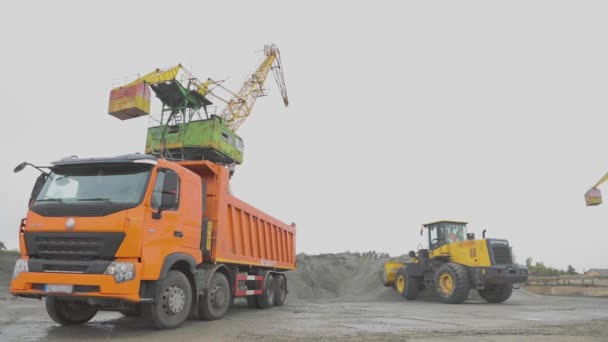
(20, 266)
(121, 271)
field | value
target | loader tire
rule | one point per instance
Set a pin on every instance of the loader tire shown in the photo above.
(399, 283)
(452, 283)
(406, 285)
(69, 312)
(496, 293)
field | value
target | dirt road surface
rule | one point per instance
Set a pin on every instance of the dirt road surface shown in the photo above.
(526, 317)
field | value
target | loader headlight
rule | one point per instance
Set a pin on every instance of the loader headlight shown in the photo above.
(121, 271)
(20, 266)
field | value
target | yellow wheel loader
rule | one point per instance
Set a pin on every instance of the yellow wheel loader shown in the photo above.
(455, 263)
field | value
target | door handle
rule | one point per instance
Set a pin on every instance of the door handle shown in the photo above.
(178, 234)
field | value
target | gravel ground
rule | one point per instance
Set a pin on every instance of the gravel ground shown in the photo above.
(525, 317)
(334, 297)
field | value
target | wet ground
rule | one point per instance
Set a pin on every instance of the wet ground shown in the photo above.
(525, 317)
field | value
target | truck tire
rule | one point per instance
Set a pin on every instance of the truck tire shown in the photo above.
(266, 299)
(69, 312)
(216, 300)
(452, 283)
(280, 290)
(496, 293)
(173, 301)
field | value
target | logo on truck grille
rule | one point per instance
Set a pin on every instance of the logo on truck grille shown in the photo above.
(70, 223)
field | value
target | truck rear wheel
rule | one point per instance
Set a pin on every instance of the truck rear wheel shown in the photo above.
(266, 299)
(173, 301)
(69, 312)
(452, 283)
(216, 300)
(280, 291)
(496, 293)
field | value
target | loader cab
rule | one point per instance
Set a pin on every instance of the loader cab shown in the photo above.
(444, 232)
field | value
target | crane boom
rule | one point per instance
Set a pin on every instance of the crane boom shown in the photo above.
(239, 107)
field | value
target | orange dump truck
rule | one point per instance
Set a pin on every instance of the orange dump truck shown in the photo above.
(145, 236)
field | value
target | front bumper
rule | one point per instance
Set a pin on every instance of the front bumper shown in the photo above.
(32, 284)
(511, 274)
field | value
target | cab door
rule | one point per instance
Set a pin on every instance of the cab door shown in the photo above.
(175, 211)
(164, 218)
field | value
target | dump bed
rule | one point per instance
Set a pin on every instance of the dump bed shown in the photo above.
(240, 233)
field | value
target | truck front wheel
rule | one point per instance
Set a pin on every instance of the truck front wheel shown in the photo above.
(69, 312)
(496, 293)
(216, 300)
(173, 301)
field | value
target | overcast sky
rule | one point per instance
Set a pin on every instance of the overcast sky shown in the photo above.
(400, 112)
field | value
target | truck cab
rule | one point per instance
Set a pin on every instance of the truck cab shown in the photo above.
(139, 235)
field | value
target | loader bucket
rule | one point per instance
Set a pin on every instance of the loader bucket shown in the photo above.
(390, 271)
(593, 197)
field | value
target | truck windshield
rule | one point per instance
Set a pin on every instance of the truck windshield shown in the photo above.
(89, 183)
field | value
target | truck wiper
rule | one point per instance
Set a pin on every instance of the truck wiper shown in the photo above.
(93, 199)
(50, 199)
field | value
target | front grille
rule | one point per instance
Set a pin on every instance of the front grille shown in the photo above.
(502, 255)
(65, 268)
(72, 245)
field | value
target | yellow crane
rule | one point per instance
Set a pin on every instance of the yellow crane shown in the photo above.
(180, 131)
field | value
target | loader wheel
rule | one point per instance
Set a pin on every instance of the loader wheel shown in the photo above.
(400, 281)
(280, 291)
(496, 293)
(173, 301)
(216, 300)
(69, 312)
(407, 286)
(452, 283)
(266, 299)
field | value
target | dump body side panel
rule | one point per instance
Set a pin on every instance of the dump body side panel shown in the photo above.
(246, 235)
(240, 233)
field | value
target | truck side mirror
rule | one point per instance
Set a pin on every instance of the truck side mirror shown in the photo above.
(20, 167)
(470, 236)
